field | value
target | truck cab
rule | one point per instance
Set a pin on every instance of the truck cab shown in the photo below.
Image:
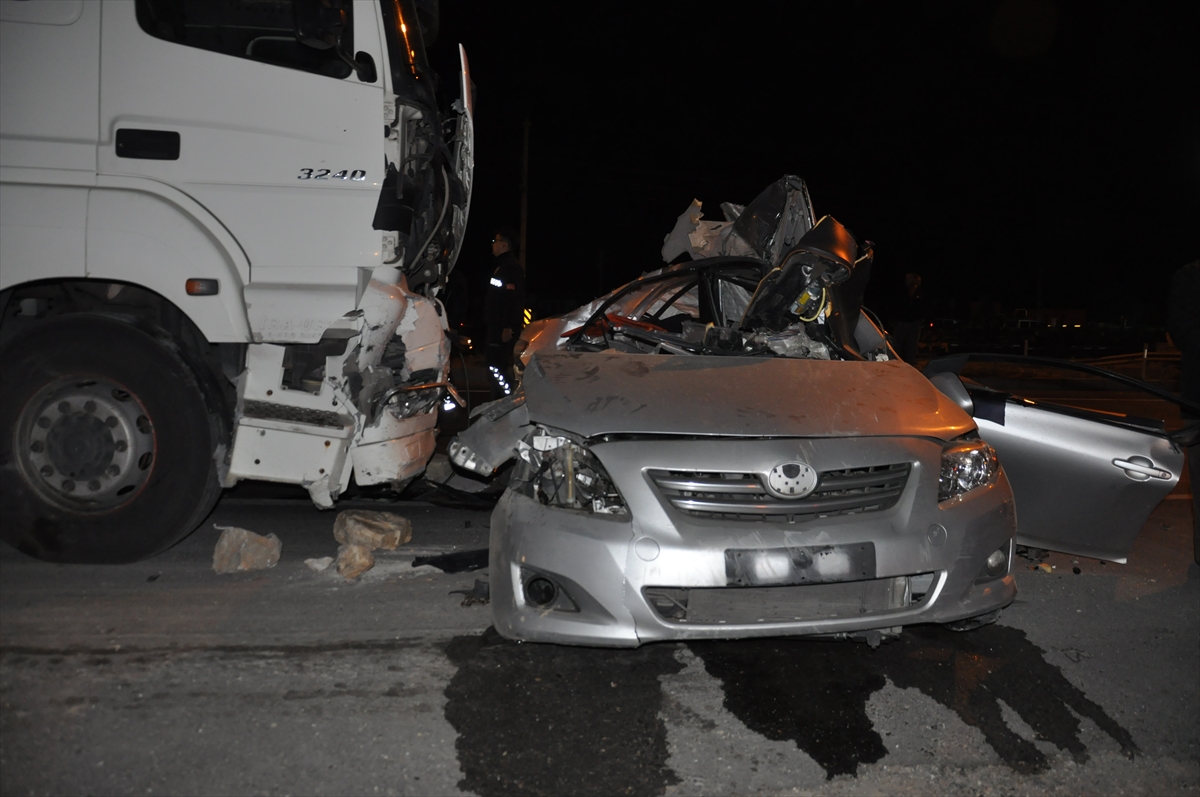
(223, 232)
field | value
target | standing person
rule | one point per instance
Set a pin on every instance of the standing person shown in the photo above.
(503, 311)
(909, 319)
(1183, 322)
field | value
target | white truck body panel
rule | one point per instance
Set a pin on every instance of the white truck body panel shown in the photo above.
(272, 193)
(42, 231)
(59, 135)
(150, 234)
(47, 149)
(247, 130)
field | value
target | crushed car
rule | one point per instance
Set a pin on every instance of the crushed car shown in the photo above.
(730, 447)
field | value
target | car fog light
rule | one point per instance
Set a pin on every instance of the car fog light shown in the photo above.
(540, 591)
(997, 563)
(966, 465)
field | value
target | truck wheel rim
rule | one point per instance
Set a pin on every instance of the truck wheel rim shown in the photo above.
(86, 444)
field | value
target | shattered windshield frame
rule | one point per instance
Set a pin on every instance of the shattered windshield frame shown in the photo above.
(715, 299)
(647, 321)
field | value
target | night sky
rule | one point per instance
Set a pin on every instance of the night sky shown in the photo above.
(979, 144)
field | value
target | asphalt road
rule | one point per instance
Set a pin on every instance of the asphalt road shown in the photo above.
(165, 678)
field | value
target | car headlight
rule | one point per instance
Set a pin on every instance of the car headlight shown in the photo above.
(556, 470)
(412, 402)
(966, 464)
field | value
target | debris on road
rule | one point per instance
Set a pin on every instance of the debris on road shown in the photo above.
(1075, 655)
(457, 562)
(354, 560)
(1031, 554)
(372, 530)
(1044, 567)
(239, 550)
(438, 470)
(476, 595)
(319, 565)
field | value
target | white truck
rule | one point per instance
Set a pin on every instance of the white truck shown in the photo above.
(223, 230)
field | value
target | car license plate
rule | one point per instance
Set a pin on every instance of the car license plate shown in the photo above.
(812, 564)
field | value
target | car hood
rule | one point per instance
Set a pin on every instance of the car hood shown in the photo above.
(594, 393)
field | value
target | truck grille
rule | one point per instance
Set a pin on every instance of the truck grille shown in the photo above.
(742, 496)
(843, 600)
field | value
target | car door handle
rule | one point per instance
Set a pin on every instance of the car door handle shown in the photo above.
(1140, 469)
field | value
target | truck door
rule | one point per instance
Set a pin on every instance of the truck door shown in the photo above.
(281, 141)
(1085, 481)
(47, 136)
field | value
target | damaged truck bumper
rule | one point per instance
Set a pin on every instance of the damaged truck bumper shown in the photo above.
(362, 401)
(672, 568)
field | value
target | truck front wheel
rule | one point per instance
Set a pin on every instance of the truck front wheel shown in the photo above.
(106, 442)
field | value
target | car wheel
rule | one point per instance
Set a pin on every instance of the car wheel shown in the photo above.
(106, 453)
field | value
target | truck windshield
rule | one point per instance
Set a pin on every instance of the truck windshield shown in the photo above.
(412, 80)
(263, 32)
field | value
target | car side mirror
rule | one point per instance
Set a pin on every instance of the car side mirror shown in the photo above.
(953, 388)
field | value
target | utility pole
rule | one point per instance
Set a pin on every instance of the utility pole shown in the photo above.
(524, 196)
(1040, 321)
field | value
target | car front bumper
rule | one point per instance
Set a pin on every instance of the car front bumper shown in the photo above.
(611, 572)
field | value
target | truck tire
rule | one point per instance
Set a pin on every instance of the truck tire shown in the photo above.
(106, 441)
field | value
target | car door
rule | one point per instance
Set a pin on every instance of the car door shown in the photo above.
(1084, 480)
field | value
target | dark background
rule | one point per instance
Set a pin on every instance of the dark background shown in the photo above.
(993, 147)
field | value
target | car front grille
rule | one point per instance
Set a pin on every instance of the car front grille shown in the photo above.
(742, 496)
(843, 600)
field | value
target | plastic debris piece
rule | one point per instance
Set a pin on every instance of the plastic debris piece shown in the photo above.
(477, 595)
(439, 470)
(457, 562)
(1045, 568)
(317, 565)
(354, 560)
(239, 550)
(372, 530)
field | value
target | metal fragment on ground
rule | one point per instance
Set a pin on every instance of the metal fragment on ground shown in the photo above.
(239, 550)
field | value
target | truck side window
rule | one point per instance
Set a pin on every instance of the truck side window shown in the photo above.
(261, 30)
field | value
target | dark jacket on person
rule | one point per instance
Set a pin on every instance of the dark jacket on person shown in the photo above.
(504, 306)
